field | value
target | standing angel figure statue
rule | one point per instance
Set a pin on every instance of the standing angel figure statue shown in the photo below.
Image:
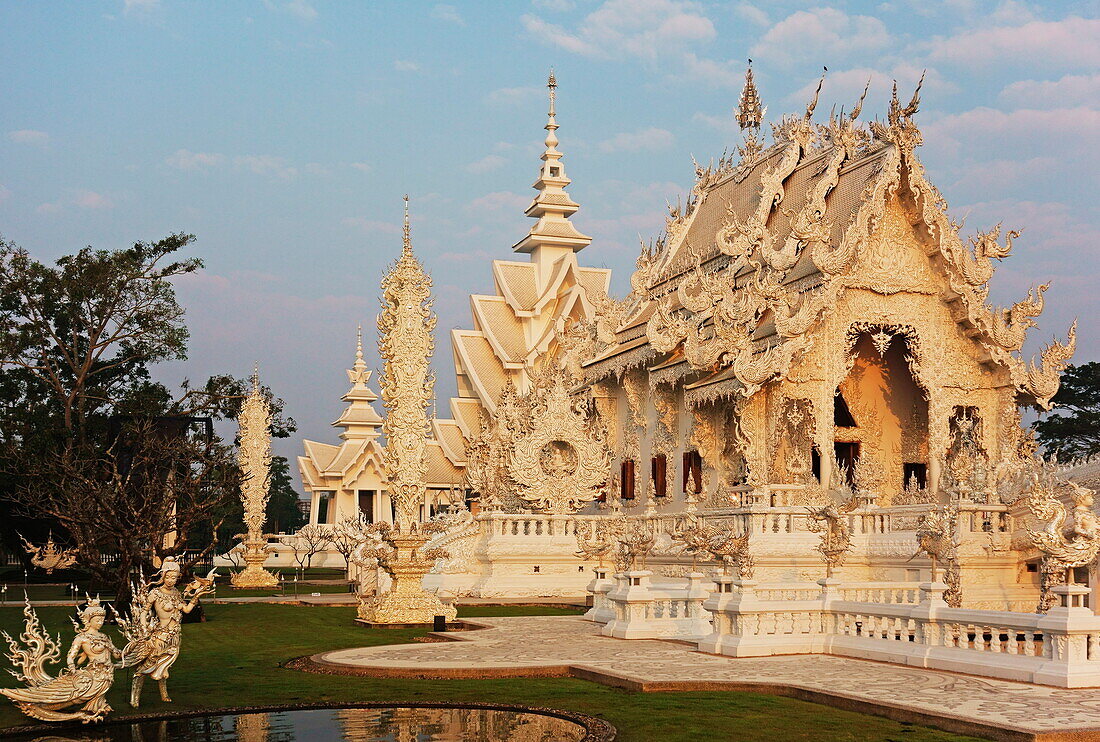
(153, 628)
(87, 677)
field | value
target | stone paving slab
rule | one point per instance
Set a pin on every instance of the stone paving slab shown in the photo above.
(545, 644)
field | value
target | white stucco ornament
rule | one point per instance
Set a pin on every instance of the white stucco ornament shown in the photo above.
(561, 460)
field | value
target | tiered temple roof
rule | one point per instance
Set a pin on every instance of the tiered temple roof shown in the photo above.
(534, 300)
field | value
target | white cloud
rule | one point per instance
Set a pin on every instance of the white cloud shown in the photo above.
(725, 123)
(265, 165)
(29, 136)
(404, 65)
(845, 86)
(629, 28)
(48, 208)
(316, 168)
(559, 6)
(362, 167)
(991, 177)
(515, 96)
(637, 141)
(821, 35)
(486, 164)
(1071, 90)
(447, 14)
(752, 13)
(300, 9)
(712, 71)
(499, 201)
(185, 159)
(1072, 42)
(1006, 129)
(92, 200)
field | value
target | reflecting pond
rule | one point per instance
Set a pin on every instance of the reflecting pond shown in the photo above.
(335, 725)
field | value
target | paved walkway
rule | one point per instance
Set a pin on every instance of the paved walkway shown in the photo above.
(515, 645)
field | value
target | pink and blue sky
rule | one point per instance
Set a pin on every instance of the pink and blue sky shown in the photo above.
(283, 135)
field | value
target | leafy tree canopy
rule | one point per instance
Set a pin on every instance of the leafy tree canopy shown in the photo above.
(1072, 430)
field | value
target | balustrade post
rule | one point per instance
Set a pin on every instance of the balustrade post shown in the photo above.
(1067, 630)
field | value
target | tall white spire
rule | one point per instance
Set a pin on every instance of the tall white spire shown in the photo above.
(359, 419)
(552, 206)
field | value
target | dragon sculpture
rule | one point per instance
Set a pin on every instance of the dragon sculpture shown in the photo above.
(732, 549)
(836, 537)
(937, 537)
(1064, 547)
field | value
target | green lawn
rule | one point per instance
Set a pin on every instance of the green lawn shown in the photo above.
(304, 588)
(235, 659)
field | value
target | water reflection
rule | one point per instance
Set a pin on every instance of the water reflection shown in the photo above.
(335, 725)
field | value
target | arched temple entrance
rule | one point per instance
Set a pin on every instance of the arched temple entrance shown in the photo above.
(881, 419)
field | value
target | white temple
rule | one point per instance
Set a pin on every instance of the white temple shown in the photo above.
(807, 353)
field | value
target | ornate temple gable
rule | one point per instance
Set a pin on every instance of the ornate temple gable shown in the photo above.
(367, 460)
(764, 248)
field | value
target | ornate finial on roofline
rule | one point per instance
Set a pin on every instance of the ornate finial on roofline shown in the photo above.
(749, 112)
(817, 94)
(406, 241)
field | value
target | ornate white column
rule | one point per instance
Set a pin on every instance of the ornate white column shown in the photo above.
(254, 459)
(406, 343)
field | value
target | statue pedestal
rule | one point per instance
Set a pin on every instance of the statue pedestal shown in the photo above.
(254, 575)
(406, 602)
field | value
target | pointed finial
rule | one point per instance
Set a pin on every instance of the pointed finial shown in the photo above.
(859, 106)
(256, 376)
(914, 104)
(817, 94)
(359, 344)
(406, 241)
(749, 112)
(552, 85)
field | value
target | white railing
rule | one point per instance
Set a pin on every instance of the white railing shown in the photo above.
(643, 610)
(1060, 648)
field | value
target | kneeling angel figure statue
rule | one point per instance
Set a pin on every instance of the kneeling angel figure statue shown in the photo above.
(85, 681)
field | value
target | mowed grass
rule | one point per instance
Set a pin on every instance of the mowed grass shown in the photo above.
(236, 658)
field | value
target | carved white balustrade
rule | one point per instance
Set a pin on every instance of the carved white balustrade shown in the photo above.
(643, 610)
(602, 610)
(881, 621)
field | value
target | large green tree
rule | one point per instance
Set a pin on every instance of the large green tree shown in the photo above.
(1072, 430)
(90, 444)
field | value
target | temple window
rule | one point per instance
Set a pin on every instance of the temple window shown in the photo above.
(693, 472)
(842, 416)
(555, 171)
(917, 473)
(846, 454)
(324, 507)
(626, 480)
(659, 471)
(366, 505)
(815, 463)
